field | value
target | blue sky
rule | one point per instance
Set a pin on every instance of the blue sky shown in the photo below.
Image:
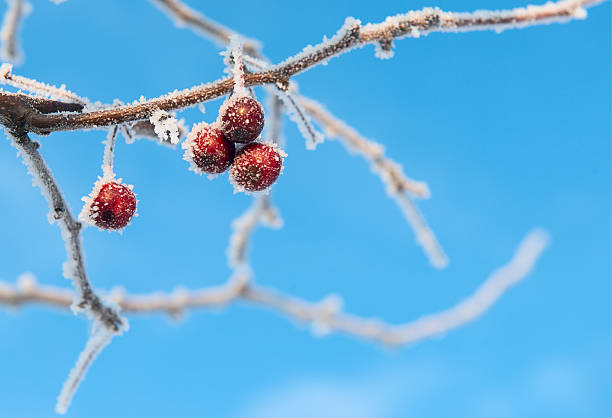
(511, 131)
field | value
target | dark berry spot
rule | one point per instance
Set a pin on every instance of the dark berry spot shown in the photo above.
(242, 119)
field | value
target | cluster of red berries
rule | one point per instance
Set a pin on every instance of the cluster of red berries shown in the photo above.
(212, 148)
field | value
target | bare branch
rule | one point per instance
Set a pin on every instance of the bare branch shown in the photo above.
(353, 34)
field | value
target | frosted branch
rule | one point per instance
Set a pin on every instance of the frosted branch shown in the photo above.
(424, 234)
(522, 263)
(170, 303)
(353, 34)
(100, 337)
(17, 10)
(85, 300)
(243, 227)
(171, 129)
(399, 187)
(261, 211)
(184, 15)
(42, 89)
(300, 117)
(326, 315)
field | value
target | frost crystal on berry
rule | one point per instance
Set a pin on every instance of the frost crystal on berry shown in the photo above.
(242, 119)
(111, 205)
(256, 167)
(208, 150)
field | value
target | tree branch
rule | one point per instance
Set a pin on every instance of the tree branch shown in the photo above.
(184, 15)
(353, 34)
(17, 10)
(399, 186)
(391, 173)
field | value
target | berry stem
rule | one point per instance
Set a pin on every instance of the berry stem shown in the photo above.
(235, 49)
(109, 153)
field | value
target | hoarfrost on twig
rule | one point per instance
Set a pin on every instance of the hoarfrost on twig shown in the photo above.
(325, 316)
(42, 89)
(166, 126)
(351, 35)
(86, 301)
(398, 185)
(261, 211)
(100, 337)
(15, 13)
(343, 41)
(298, 115)
(214, 31)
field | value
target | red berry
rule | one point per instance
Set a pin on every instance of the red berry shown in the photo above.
(113, 207)
(242, 119)
(208, 149)
(256, 167)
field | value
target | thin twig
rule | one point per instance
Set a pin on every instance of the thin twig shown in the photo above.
(390, 171)
(15, 13)
(34, 86)
(300, 117)
(223, 36)
(100, 337)
(184, 15)
(399, 186)
(353, 34)
(325, 315)
(261, 212)
(75, 103)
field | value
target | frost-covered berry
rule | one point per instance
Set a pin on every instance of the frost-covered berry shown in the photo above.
(208, 149)
(242, 119)
(256, 167)
(111, 206)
